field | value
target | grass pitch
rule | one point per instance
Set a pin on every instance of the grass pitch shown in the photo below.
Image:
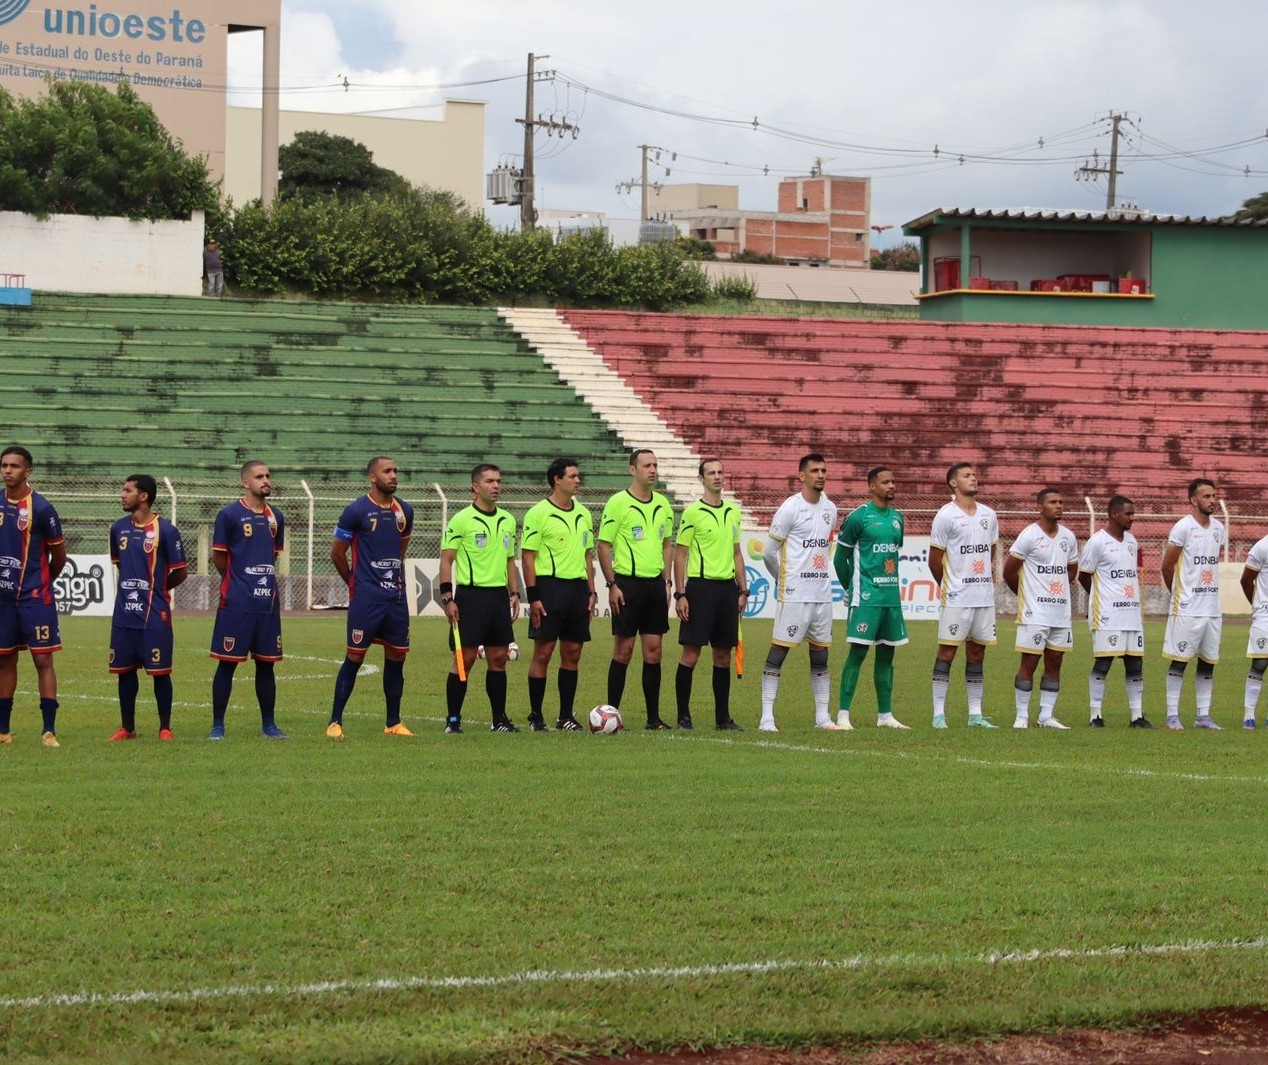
(491, 898)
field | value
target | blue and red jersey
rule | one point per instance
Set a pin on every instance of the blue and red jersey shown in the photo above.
(28, 528)
(145, 556)
(251, 543)
(377, 535)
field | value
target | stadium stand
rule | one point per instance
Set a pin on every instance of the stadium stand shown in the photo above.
(1089, 410)
(96, 386)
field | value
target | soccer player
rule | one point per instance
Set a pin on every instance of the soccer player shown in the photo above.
(249, 535)
(479, 589)
(557, 553)
(635, 541)
(796, 556)
(1110, 574)
(149, 555)
(376, 528)
(1255, 587)
(32, 554)
(866, 562)
(1041, 569)
(710, 590)
(962, 560)
(1191, 572)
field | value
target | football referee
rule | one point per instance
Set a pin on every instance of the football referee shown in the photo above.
(635, 541)
(710, 592)
(557, 553)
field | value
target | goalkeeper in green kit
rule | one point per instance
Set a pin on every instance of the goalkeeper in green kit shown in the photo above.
(866, 563)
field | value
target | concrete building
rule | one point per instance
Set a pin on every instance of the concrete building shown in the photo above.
(1124, 268)
(444, 150)
(822, 220)
(175, 58)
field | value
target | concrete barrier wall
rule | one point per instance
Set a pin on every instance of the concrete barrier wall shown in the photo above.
(73, 253)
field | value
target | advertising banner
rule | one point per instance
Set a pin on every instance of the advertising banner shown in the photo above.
(85, 588)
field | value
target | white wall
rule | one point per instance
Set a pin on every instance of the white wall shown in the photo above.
(75, 253)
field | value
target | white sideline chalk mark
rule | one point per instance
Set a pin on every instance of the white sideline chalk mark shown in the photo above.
(858, 962)
(990, 763)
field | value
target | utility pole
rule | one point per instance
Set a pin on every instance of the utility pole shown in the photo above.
(1092, 169)
(642, 183)
(528, 213)
(527, 190)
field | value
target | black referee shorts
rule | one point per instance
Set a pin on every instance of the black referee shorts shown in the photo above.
(567, 604)
(484, 616)
(646, 609)
(714, 617)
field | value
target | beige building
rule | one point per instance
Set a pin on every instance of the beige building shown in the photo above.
(667, 199)
(175, 57)
(445, 151)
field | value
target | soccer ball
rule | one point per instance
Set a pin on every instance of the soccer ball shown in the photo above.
(606, 720)
(513, 651)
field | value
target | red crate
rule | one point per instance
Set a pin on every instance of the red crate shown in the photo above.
(1048, 284)
(1004, 286)
(979, 284)
(1132, 286)
(946, 271)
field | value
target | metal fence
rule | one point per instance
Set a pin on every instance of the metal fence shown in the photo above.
(308, 579)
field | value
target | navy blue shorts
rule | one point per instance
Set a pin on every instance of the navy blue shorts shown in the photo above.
(29, 624)
(378, 622)
(149, 649)
(238, 634)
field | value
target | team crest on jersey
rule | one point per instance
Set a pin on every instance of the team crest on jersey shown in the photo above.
(861, 628)
(1113, 641)
(953, 629)
(1038, 638)
(983, 522)
(150, 541)
(358, 635)
(482, 540)
(792, 631)
(1182, 646)
(896, 525)
(637, 533)
(228, 643)
(1260, 643)
(400, 516)
(268, 513)
(506, 543)
(24, 516)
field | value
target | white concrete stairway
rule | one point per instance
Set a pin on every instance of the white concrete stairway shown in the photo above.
(584, 370)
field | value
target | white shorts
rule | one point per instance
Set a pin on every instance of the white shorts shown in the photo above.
(1034, 639)
(1187, 638)
(795, 622)
(1114, 643)
(974, 623)
(1257, 645)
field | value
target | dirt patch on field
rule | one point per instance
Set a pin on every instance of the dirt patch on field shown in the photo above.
(1218, 1037)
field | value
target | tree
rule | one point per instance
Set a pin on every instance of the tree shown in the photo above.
(324, 164)
(82, 149)
(1254, 208)
(904, 256)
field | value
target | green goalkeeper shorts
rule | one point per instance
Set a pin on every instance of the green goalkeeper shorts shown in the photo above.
(876, 624)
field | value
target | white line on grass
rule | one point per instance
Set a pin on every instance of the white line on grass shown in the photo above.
(855, 963)
(991, 763)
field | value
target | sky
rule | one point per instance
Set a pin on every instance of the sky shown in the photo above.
(990, 103)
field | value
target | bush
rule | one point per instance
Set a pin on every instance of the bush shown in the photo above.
(82, 149)
(757, 258)
(426, 246)
(730, 287)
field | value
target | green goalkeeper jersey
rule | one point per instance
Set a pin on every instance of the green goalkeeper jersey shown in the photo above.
(870, 540)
